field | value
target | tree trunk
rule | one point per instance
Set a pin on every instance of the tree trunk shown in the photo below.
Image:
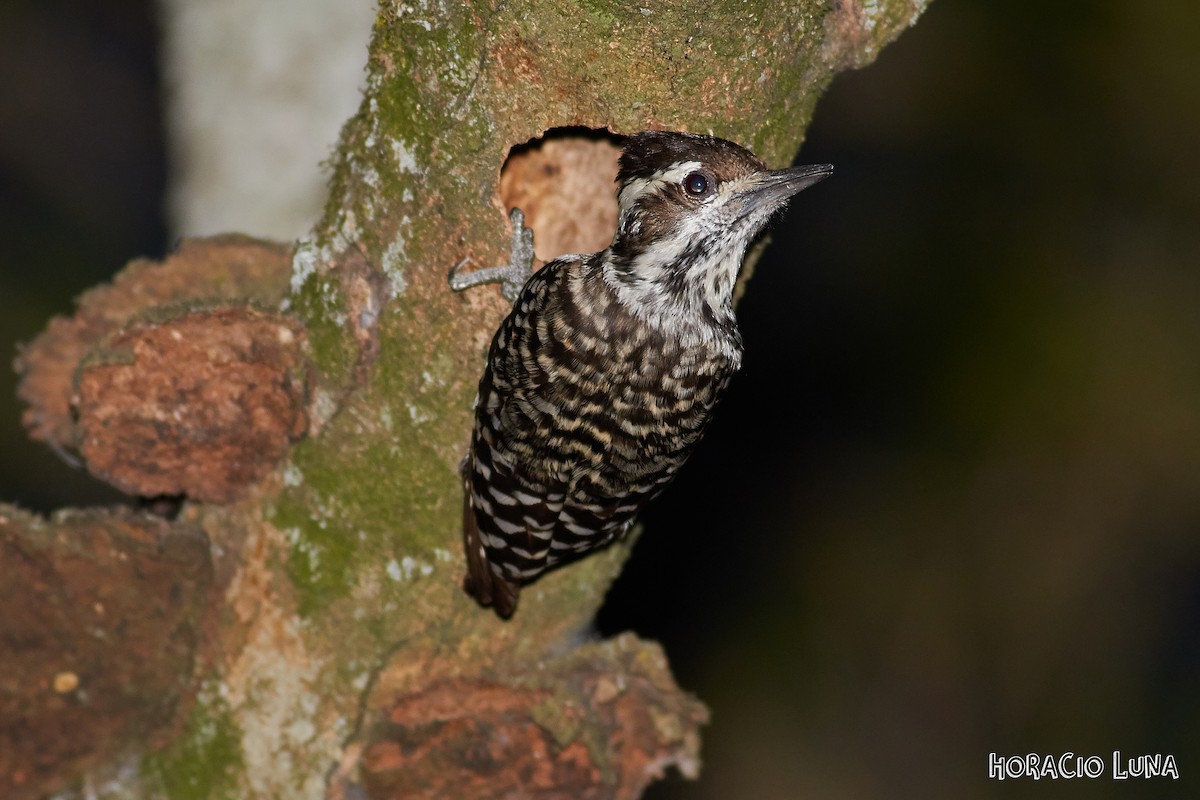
(297, 629)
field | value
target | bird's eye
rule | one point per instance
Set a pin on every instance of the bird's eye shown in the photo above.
(696, 184)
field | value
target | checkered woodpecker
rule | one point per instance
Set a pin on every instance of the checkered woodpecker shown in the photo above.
(603, 377)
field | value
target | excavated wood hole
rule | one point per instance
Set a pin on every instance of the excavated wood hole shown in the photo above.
(565, 182)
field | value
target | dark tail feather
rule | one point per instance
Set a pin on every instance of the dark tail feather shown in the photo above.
(488, 588)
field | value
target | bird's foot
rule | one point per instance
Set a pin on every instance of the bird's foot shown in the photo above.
(511, 276)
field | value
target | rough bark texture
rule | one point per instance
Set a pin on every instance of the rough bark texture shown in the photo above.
(225, 268)
(340, 654)
(102, 615)
(203, 404)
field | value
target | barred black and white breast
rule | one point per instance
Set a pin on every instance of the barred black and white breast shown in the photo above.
(584, 414)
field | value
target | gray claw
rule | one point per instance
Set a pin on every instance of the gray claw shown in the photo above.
(511, 276)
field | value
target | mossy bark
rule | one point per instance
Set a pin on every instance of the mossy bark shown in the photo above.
(338, 641)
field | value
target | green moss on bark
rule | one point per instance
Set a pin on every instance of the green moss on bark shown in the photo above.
(202, 764)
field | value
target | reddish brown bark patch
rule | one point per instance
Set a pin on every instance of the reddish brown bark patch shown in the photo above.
(202, 405)
(218, 268)
(602, 722)
(367, 290)
(102, 611)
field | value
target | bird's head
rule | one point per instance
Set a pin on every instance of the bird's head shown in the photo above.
(689, 206)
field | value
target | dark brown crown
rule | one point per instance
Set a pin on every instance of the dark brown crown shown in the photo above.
(651, 152)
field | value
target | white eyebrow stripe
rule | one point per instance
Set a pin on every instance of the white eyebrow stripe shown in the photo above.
(675, 173)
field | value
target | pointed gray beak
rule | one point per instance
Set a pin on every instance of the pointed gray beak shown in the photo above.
(773, 188)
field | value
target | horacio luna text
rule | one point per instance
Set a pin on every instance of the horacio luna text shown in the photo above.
(1067, 766)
